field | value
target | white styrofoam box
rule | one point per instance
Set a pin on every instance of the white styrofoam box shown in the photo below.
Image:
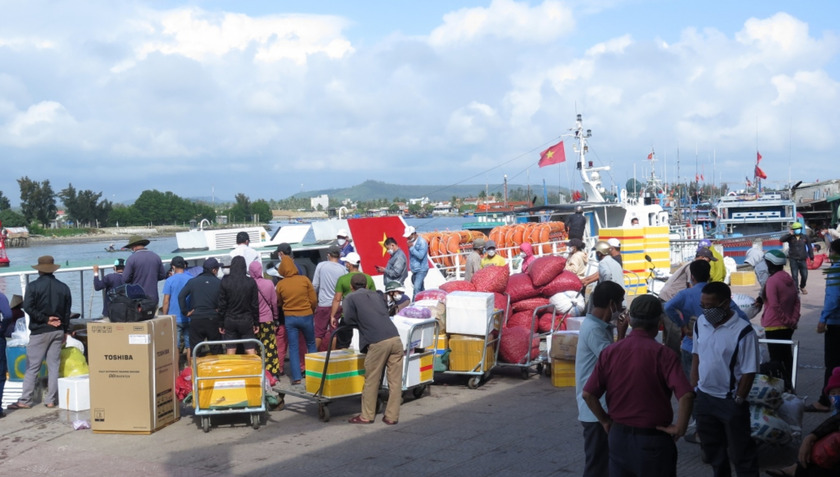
(354, 341)
(74, 393)
(423, 335)
(418, 370)
(12, 392)
(573, 322)
(469, 313)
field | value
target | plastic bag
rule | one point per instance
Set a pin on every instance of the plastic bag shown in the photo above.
(20, 337)
(72, 363)
(74, 343)
(766, 391)
(792, 410)
(766, 426)
(571, 302)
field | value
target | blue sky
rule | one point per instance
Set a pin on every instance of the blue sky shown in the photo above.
(271, 97)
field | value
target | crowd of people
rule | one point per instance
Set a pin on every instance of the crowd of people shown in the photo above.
(625, 380)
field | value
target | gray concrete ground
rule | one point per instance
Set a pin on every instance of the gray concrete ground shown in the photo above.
(509, 426)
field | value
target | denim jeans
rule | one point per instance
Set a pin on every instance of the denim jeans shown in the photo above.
(799, 272)
(295, 325)
(417, 281)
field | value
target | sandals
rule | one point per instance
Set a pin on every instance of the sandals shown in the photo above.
(51, 405)
(359, 420)
(388, 421)
(17, 405)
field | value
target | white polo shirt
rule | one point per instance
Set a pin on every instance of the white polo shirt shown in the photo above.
(715, 347)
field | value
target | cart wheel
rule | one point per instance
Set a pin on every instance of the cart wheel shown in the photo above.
(525, 373)
(205, 423)
(255, 420)
(474, 382)
(540, 368)
(419, 391)
(323, 412)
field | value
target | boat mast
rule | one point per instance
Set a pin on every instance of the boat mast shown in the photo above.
(590, 175)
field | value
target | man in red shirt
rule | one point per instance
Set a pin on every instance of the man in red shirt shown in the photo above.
(639, 375)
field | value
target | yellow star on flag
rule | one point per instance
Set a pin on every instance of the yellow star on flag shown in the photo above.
(382, 244)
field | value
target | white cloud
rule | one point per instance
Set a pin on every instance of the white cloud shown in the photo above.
(309, 98)
(202, 36)
(505, 19)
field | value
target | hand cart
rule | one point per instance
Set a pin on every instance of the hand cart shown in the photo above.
(234, 386)
(318, 396)
(480, 372)
(418, 366)
(794, 344)
(542, 358)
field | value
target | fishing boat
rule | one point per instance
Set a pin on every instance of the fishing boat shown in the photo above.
(743, 218)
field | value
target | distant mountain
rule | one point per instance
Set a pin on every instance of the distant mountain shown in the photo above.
(370, 190)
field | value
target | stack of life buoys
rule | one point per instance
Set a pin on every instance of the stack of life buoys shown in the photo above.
(508, 238)
(443, 246)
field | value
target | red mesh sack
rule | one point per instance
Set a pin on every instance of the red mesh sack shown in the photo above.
(566, 281)
(457, 285)
(515, 345)
(544, 269)
(521, 320)
(529, 304)
(500, 301)
(520, 287)
(491, 279)
(544, 323)
(433, 294)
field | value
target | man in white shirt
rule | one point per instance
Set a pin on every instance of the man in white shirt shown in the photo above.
(243, 249)
(724, 363)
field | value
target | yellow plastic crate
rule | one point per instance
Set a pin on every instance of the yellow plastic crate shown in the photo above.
(345, 373)
(221, 392)
(562, 373)
(465, 353)
(742, 279)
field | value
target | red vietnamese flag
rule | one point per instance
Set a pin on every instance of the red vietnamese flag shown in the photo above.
(759, 173)
(369, 236)
(553, 155)
(650, 156)
(757, 157)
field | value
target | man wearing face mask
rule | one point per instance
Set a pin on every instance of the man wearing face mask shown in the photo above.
(639, 376)
(418, 251)
(395, 297)
(474, 258)
(397, 267)
(596, 333)
(799, 251)
(609, 269)
(724, 363)
(577, 260)
(343, 240)
(491, 257)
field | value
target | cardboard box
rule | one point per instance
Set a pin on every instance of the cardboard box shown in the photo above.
(419, 370)
(562, 373)
(237, 391)
(466, 353)
(16, 363)
(469, 313)
(564, 345)
(438, 310)
(742, 278)
(74, 393)
(133, 367)
(423, 335)
(573, 322)
(345, 374)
